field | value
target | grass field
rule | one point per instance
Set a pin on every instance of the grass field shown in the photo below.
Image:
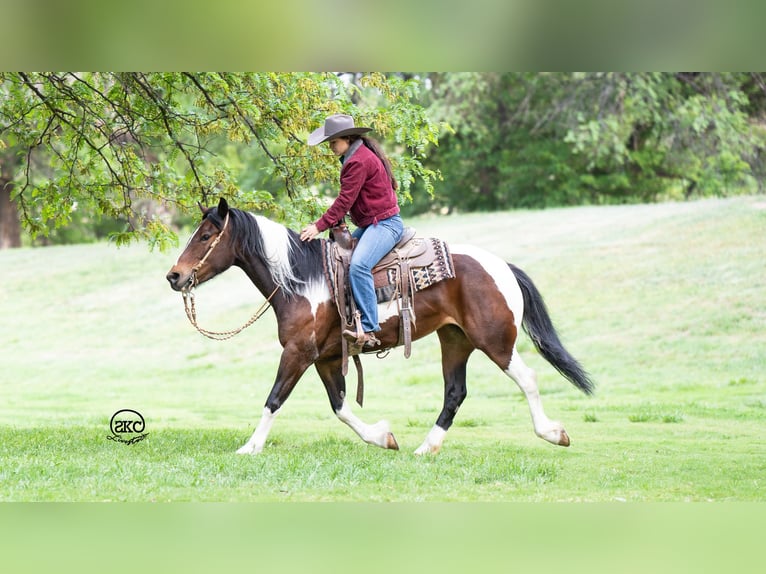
(664, 304)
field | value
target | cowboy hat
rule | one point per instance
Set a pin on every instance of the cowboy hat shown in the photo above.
(335, 126)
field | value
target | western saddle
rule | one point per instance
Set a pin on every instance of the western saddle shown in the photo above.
(412, 265)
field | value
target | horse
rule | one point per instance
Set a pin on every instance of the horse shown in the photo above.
(483, 307)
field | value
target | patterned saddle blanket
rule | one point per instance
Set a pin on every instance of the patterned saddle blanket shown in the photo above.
(425, 260)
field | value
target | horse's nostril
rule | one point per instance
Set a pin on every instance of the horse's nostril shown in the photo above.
(172, 277)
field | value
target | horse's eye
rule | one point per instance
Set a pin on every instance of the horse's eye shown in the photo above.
(205, 237)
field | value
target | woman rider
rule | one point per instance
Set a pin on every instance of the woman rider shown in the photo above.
(368, 195)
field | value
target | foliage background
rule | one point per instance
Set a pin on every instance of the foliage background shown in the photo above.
(128, 155)
(142, 147)
(543, 140)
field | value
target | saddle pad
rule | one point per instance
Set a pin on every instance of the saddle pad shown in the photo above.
(432, 265)
(437, 267)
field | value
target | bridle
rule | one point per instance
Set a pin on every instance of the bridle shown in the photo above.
(188, 296)
(193, 279)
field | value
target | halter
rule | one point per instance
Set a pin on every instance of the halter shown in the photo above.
(216, 241)
(188, 296)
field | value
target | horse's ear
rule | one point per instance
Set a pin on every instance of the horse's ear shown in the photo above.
(202, 208)
(223, 207)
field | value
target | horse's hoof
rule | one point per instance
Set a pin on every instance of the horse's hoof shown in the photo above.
(391, 442)
(564, 439)
(248, 449)
(427, 449)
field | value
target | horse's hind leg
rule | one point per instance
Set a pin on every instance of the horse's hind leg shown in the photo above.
(456, 348)
(378, 434)
(525, 378)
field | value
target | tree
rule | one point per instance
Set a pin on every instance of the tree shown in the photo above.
(103, 142)
(542, 139)
(669, 134)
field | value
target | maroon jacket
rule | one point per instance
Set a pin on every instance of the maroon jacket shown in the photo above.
(366, 192)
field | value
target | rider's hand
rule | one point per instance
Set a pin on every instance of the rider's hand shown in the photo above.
(309, 232)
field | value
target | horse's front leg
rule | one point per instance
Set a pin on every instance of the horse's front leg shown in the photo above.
(292, 365)
(378, 434)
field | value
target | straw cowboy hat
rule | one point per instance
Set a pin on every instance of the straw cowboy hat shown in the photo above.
(335, 126)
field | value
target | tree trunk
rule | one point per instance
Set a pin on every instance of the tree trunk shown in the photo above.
(10, 230)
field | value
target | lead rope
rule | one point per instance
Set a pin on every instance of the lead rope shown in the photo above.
(191, 313)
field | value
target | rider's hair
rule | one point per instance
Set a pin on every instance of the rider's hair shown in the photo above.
(375, 148)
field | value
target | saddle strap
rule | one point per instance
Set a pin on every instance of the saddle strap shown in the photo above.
(406, 315)
(359, 372)
(344, 353)
(359, 380)
(357, 361)
(335, 264)
(406, 332)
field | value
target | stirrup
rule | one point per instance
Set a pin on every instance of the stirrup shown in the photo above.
(371, 341)
(368, 340)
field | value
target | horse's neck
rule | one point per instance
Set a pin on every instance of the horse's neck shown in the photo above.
(283, 261)
(259, 275)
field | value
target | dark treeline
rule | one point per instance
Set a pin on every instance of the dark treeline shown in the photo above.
(537, 139)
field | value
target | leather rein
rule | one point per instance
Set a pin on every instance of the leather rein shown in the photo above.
(188, 296)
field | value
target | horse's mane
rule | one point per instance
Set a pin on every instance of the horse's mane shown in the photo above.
(292, 263)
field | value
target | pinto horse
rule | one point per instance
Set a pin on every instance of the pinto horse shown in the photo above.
(483, 307)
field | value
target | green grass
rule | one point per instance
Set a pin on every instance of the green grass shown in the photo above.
(664, 304)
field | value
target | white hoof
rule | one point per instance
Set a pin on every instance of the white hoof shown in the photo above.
(426, 448)
(250, 449)
(433, 442)
(556, 435)
(380, 435)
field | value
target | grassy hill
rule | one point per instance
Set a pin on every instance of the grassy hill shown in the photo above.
(664, 304)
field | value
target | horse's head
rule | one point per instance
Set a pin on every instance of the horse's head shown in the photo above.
(208, 252)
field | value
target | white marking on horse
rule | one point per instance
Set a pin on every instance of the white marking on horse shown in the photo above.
(258, 440)
(526, 379)
(188, 241)
(276, 247)
(433, 442)
(377, 434)
(504, 278)
(389, 309)
(316, 292)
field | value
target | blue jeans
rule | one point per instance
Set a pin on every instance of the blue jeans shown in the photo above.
(374, 242)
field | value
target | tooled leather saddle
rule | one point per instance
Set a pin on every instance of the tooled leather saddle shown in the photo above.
(414, 264)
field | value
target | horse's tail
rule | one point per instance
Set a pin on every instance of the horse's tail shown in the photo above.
(538, 325)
